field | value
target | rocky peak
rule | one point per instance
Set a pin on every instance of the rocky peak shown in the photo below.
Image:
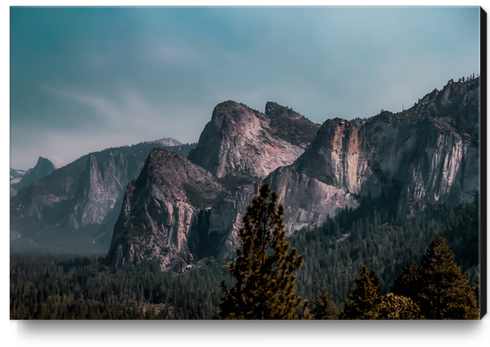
(169, 142)
(457, 104)
(43, 167)
(178, 178)
(333, 155)
(238, 141)
(161, 212)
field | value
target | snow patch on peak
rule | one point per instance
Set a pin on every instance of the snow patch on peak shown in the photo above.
(169, 142)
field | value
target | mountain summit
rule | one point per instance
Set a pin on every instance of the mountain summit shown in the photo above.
(43, 167)
(241, 141)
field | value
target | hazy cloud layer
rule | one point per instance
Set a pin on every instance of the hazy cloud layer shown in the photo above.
(84, 79)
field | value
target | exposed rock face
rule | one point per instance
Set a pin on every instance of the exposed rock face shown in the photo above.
(44, 167)
(428, 160)
(239, 141)
(225, 219)
(238, 147)
(74, 208)
(333, 156)
(161, 211)
(308, 202)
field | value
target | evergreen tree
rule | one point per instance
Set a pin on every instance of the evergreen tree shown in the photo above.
(410, 282)
(398, 307)
(324, 307)
(445, 293)
(366, 297)
(263, 268)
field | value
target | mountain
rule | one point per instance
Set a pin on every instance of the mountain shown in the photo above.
(74, 208)
(427, 155)
(44, 167)
(169, 142)
(161, 212)
(422, 153)
(240, 141)
(182, 209)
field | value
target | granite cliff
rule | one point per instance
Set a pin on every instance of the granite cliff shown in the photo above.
(160, 215)
(239, 141)
(423, 153)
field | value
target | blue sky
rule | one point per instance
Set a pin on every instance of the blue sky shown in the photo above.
(84, 79)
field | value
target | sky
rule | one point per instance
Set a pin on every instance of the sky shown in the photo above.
(85, 79)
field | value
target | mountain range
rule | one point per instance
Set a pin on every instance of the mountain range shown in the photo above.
(145, 202)
(73, 209)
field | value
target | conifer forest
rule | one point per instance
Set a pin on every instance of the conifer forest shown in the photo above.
(359, 265)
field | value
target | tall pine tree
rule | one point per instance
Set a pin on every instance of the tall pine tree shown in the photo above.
(365, 298)
(263, 268)
(324, 307)
(409, 283)
(445, 293)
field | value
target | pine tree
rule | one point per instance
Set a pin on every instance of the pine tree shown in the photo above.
(366, 297)
(263, 268)
(324, 307)
(445, 293)
(410, 282)
(398, 307)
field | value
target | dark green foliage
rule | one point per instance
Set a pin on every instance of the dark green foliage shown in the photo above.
(410, 282)
(365, 298)
(264, 287)
(47, 287)
(376, 240)
(324, 307)
(294, 132)
(445, 293)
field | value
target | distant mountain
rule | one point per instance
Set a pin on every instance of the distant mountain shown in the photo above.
(427, 154)
(169, 142)
(74, 208)
(44, 167)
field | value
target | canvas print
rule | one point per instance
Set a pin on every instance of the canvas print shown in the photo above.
(198, 163)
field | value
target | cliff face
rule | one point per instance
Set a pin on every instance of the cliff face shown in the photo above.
(240, 141)
(160, 212)
(430, 160)
(74, 208)
(236, 148)
(427, 160)
(333, 156)
(426, 157)
(308, 201)
(179, 210)
(168, 204)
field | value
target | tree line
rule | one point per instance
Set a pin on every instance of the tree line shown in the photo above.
(320, 264)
